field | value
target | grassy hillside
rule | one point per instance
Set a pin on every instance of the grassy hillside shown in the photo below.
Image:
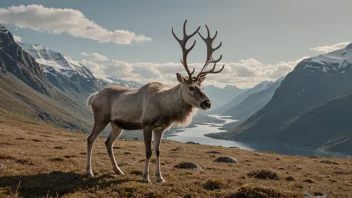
(19, 101)
(40, 160)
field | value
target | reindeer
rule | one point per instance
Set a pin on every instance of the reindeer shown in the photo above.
(151, 108)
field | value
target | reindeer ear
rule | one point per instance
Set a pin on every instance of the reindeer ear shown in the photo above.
(201, 79)
(181, 78)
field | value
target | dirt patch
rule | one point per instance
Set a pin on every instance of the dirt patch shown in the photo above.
(56, 159)
(25, 162)
(6, 157)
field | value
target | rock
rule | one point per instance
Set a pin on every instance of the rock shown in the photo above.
(329, 162)
(307, 195)
(127, 153)
(191, 143)
(214, 152)
(234, 147)
(2, 166)
(299, 186)
(313, 156)
(290, 178)
(177, 149)
(320, 194)
(226, 160)
(188, 165)
(309, 181)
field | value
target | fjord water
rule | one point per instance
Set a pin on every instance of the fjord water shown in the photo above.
(196, 134)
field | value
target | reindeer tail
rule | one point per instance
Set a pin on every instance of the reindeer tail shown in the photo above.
(89, 100)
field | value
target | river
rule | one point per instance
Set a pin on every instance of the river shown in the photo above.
(196, 134)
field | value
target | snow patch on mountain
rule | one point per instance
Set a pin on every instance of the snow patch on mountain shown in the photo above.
(334, 61)
(54, 62)
(263, 85)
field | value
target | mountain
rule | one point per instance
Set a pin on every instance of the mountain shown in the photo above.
(240, 97)
(27, 94)
(253, 102)
(326, 127)
(68, 75)
(302, 94)
(15, 61)
(220, 96)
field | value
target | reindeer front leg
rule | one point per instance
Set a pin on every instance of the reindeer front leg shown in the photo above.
(147, 134)
(158, 134)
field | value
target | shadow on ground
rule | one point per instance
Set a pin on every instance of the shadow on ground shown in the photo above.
(55, 183)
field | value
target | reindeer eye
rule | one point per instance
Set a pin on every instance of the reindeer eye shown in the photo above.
(191, 88)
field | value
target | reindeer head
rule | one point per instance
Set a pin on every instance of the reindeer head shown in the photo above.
(192, 90)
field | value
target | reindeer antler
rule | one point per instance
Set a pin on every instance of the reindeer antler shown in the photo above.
(209, 42)
(185, 51)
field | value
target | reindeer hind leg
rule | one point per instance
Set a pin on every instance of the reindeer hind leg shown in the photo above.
(97, 129)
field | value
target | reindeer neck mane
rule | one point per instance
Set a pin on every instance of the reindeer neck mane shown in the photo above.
(175, 108)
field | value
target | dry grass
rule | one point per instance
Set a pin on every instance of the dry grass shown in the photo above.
(55, 166)
(264, 174)
(262, 192)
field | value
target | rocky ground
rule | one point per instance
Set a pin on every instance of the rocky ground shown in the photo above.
(37, 159)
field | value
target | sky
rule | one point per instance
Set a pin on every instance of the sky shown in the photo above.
(132, 40)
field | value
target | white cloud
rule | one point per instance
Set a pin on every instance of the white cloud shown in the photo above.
(329, 48)
(17, 38)
(69, 21)
(93, 66)
(244, 73)
(94, 56)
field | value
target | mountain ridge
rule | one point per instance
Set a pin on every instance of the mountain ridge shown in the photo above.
(309, 86)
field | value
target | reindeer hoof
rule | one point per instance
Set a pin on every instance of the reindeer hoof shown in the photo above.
(161, 180)
(147, 181)
(90, 175)
(118, 172)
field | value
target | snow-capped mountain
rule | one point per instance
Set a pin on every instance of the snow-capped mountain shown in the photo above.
(69, 75)
(309, 97)
(336, 61)
(54, 62)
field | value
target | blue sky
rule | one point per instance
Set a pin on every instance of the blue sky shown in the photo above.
(262, 40)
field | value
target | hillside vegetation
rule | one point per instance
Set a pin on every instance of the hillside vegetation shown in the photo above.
(37, 159)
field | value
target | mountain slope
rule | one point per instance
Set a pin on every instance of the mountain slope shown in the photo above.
(27, 94)
(239, 98)
(327, 127)
(253, 103)
(14, 60)
(63, 72)
(313, 83)
(68, 75)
